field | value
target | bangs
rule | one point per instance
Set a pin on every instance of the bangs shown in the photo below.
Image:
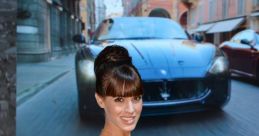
(123, 82)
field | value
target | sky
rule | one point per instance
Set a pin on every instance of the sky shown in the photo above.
(113, 7)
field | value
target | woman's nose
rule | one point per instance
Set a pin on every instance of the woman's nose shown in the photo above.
(130, 107)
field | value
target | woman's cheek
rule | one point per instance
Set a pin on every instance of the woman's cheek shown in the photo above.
(117, 108)
(139, 106)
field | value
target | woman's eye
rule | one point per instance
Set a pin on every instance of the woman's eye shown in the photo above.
(137, 98)
(119, 99)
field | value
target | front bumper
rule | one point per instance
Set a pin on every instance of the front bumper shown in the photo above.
(216, 96)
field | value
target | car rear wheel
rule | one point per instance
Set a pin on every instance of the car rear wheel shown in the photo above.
(82, 109)
(218, 107)
(84, 113)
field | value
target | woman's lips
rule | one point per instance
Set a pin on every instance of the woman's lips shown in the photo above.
(128, 120)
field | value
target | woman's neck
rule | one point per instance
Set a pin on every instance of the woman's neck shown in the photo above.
(112, 130)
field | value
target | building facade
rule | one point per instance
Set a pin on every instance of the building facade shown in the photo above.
(99, 12)
(83, 16)
(45, 28)
(219, 20)
(173, 9)
(91, 16)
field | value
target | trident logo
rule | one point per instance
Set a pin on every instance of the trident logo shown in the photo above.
(164, 91)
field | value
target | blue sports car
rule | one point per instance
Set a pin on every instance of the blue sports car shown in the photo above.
(179, 75)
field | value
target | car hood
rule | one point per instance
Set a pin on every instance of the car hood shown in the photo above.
(169, 59)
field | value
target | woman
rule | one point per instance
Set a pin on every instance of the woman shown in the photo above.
(118, 91)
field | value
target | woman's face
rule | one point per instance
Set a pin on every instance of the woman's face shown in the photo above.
(122, 112)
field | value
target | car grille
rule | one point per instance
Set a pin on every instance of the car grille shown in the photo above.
(174, 90)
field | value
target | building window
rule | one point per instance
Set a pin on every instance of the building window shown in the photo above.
(211, 10)
(201, 13)
(225, 8)
(255, 4)
(240, 7)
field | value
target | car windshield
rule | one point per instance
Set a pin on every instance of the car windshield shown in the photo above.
(139, 28)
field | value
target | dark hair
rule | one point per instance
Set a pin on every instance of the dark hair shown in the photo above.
(115, 73)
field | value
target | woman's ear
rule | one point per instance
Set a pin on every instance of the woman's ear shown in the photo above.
(99, 100)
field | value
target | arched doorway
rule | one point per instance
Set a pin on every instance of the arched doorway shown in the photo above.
(183, 19)
(159, 12)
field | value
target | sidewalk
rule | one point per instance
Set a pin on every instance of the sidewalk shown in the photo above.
(33, 77)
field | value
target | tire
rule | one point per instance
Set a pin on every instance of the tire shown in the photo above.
(81, 108)
(85, 116)
(218, 108)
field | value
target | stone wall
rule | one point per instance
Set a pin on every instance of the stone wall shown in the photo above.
(7, 67)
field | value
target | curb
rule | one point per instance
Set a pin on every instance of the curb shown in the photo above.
(30, 92)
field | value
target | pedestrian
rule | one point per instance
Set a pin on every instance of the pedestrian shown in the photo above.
(118, 91)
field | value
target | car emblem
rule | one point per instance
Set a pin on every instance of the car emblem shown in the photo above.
(164, 91)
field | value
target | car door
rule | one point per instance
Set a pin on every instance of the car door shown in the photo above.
(243, 60)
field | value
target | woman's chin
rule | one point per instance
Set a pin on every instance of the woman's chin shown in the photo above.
(128, 128)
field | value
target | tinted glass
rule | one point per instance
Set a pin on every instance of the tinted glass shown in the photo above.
(139, 28)
(247, 34)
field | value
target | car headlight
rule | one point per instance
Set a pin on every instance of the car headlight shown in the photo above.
(87, 68)
(220, 64)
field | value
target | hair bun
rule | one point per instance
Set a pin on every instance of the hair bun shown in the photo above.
(113, 55)
(117, 53)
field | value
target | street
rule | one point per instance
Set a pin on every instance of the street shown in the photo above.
(54, 112)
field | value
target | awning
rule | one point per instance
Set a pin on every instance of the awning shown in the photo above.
(255, 14)
(204, 27)
(226, 26)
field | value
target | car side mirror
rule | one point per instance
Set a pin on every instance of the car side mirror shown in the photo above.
(197, 37)
(78, 38)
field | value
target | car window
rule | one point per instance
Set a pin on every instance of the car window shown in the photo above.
(139, 28)
(247, 34)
